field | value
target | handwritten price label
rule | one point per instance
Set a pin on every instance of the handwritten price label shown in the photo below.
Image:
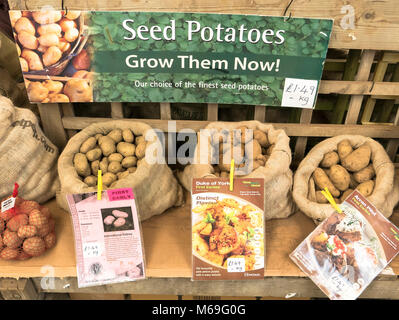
(236, 265)
(92, 249)
(299, 93)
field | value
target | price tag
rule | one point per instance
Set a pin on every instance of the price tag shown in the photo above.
(7, 204)
(299, 93)
(92, 249)
(235, 264)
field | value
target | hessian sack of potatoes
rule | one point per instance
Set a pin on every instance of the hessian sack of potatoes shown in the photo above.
(26, 155)
(154, 185)
(274, 168)
(369, 167)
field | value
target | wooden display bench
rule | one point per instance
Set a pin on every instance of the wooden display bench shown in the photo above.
(167, 244)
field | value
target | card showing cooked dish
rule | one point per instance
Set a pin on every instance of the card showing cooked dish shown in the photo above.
(348, 250)
(228, 229)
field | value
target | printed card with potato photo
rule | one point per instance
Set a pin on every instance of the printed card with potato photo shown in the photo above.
(108, 240)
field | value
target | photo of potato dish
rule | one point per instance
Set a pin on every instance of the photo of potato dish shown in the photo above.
(348, 246)
(228, 229)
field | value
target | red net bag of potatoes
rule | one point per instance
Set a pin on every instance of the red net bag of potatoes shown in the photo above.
(271, 161)
(342, 164)
(26, 231)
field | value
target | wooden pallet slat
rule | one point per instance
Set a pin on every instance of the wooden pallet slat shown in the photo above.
(68, 111)
(166, 113)
(260, 113)
(213, 109)
(363, 73)
(379, 75)
(116, 110)
(51, 116)
(300, 146)
(292, 129)
(351, 66)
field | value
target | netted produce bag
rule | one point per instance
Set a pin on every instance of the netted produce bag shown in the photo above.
(119, 149)
(26, 155)
(26, 231)
(259, 151)
(342, 164)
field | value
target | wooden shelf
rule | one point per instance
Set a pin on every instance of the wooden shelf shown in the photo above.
(167, 244)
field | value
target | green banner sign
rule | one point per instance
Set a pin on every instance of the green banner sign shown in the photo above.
(181, 57)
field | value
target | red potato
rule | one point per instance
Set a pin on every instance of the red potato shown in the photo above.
(119, 222)
(11, 239)
(109, 220)
(9, 254)
(34, 246)
(27, 206)
(81, 61)
(119, 214)
(17, 221)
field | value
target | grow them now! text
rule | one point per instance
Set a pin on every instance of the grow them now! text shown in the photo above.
(189, 62)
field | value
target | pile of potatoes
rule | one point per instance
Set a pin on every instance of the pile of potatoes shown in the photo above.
(239, 145)
(344, 171)
(116, 154)
(48, 91)
(43, 37)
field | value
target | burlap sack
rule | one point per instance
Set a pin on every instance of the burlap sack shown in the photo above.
(26, 155)
(384, 196)
(276, 172)
(154, 185)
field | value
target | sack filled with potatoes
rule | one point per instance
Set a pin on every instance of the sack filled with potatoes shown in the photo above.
(342, 164)
(127, 154)
(258, 150)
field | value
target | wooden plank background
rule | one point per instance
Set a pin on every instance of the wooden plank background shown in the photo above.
(376, 23)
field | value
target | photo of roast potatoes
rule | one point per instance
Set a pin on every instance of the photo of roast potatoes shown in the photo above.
(343, 171)
(117, 154)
